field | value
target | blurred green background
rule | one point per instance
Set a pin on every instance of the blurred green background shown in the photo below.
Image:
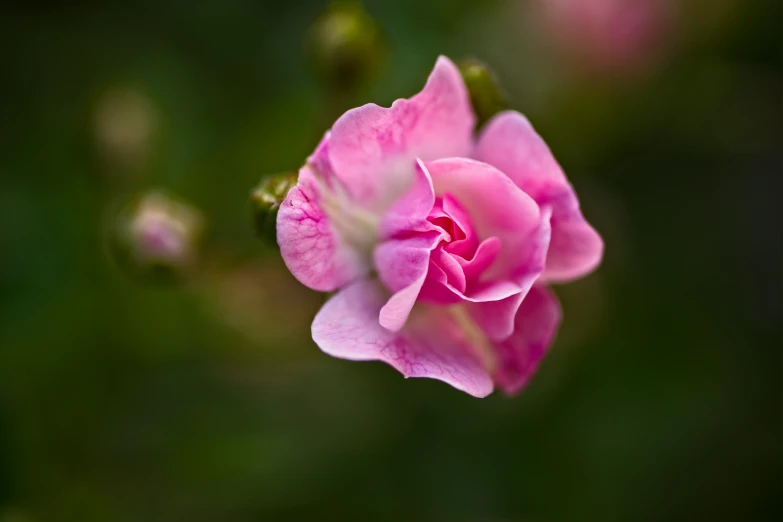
(207, 401)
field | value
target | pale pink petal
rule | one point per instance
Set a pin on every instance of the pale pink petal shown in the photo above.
(409, 213)
(535, 325)
(401, 261)
(402, 267)
(372, 149)
(432, 346)
(319, 160)
(312, 249)
(496, 317)
(510, 143)
(397, 310)
(576, 249)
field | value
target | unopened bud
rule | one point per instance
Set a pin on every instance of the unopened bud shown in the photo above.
(345, 45)
(265, 201)
(157, 237)
(124, 122)
(486, 95)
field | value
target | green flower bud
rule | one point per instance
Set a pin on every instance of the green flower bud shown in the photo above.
(124, 123)
(486, 95)
(156, 237)
(345, 45)
(265, 201)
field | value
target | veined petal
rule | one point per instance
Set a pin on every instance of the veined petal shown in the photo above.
(433, 346)
(372, 149)
(313, 249)
(535, 325)
(510, 143)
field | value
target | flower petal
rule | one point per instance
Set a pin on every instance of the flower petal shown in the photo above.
(497, 207)
(434, 346)
(576, 249)
(436, 289)
(510, 143)
(372, 149)
(311, 247)
(465, 246)
(402, 267)
(535, 325)
(455, 275)
(485, 255)
(409, 213)
(496, 316)
(319, 160)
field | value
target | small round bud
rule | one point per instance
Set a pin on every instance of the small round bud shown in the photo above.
(123, 125)
(486, 95)
(156, 237)
(265, 201)
(345, 45)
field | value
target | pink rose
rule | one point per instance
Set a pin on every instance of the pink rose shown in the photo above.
(439, 245)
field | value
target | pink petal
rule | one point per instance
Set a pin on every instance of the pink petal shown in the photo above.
(497, 207)
(466, 246)
(495, 316)
(436, 289)
(433, 346)
(485, 255)
(575, 249)
(510, 143)
(535, 325)
(312, 249)
(372, 149)
(319, 160)
(455, 275)
(402, 267)
(493, 304)
(409, 213)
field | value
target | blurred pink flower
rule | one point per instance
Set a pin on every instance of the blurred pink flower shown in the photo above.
(439, 246)
(609, 34)
(163, 230)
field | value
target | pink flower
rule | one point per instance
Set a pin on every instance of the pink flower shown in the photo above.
(439, 246)
(610, 34)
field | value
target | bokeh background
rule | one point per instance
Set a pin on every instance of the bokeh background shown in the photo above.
(206, 400)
